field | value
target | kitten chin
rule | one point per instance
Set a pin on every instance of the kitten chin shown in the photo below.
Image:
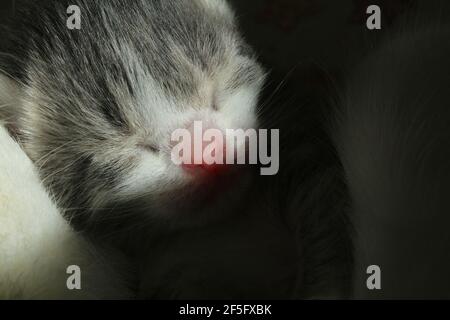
(138, 220)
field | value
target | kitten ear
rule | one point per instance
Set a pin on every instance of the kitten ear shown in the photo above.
(9, 103)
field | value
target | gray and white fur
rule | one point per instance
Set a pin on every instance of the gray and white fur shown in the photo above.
(98, 105)
(94, 109)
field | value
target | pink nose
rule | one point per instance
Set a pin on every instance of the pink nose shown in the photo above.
(206, 156)
(200, 163)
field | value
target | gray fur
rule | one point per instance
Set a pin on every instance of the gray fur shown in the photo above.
(84, 103)
(394, 142)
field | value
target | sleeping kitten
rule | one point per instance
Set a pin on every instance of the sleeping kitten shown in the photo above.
(98, 105)
(95, 109)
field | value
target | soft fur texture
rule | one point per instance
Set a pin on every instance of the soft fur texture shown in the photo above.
(393, 138)
(94, 110)
(99, 104)
(37, 245)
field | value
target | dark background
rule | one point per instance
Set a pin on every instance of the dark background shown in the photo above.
(291, 36)
(289, 33)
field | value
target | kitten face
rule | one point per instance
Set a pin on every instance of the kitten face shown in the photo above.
(100, 104)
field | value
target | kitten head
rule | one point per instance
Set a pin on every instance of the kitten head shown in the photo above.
(100, 104)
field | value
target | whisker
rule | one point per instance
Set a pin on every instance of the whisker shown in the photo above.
(55, 151)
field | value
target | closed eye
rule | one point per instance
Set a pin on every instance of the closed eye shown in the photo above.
(149, 147)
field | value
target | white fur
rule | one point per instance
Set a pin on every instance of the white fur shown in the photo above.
(157, 115)
(36, 243)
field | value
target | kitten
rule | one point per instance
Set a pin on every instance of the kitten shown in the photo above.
(98, 105)
(95, 110)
